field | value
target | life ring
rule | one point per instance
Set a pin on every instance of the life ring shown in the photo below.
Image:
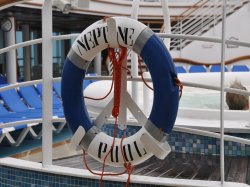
(150, 139)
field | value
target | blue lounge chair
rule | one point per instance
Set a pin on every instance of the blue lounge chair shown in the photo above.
(197, 69)
(57, 103)
(57, 88)
(30, 95)
(19, 111)
(217, 68)
(240, 68)
(2, 79)
(13, 101)
(180, 69)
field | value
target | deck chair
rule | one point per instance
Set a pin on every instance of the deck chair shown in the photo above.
(57, 88)
(57, 103)
(240, 68)
(5, 132)
(217, 68)
(180, 69)
(30, 95)
(15, 104)
(6, 116)
(197, 69)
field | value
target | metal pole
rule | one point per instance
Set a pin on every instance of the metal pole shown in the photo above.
(134, 57)
(11, 63)
(167, 22)
(146, 95)
(47, 82)
(222, 94)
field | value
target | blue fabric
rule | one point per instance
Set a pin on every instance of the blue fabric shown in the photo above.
(2, 79)
(57, 88)
(74, 107)
(29, 94)
(3, 110)
(217, 68)
(197, 69)
(86, 83)
(166, 93)
(180, 69)
(240, 68)
(57, 103)
(13, 101)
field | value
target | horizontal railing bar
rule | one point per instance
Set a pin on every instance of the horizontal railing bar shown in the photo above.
(37, 41)
(176, 128)
(161, 35)
(138, 79)
(202, 38)
(65, 37)
(211, 134)
(16, 85)
(19, 45)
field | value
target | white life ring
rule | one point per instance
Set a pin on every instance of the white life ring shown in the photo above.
(150, 139)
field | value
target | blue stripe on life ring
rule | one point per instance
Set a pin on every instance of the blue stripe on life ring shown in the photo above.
(166, 93)
(72, 95)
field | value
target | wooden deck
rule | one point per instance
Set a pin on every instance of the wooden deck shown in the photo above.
(177, 165)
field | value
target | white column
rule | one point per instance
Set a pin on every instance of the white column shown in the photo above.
(134, 56)
(11, 61)
(47, 82)
(167, 22)
(98, 64)
(26, 53)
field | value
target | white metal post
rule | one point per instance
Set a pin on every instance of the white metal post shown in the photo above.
(222, 94)
(47, 82)
(134, 56)
(146, 95)
(167, 22)
(11, 63)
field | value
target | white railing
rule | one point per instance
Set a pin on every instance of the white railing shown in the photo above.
(221, 136)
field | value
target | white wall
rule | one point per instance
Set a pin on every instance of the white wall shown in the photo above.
(238, 26)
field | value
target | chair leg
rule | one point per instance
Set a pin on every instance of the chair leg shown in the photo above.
(22, 135)
(10, 139)
(60, 127)
(34, 134)
(2, 137)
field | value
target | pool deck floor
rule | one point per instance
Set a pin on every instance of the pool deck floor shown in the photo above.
(177, 165)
